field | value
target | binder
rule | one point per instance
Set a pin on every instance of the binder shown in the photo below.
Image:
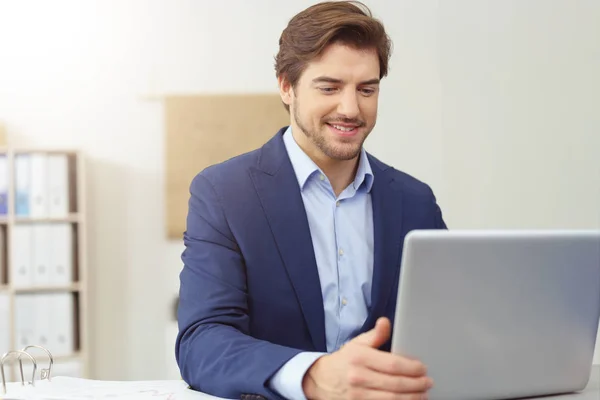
(49, 386)
(61, 254)
(44, 373)
(40, 268)
(22, 183)
(38, 204)
(25, 317)
(3, 184)
(61, 311)
(58, 185)
(43, 322)
(21, 274)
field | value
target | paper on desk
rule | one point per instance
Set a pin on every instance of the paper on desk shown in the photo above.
(65, 388)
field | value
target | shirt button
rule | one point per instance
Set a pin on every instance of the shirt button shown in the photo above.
(322, 177)
(337, 203)
(344, 301)
(341, 252)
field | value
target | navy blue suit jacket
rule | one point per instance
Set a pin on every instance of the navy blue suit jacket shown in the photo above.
(250, 297)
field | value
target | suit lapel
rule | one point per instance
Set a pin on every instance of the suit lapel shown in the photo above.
(387, 228)
(279, 193)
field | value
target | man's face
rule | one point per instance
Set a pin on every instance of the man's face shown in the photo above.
(334, 104)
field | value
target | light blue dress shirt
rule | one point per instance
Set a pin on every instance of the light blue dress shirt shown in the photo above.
(342, 236)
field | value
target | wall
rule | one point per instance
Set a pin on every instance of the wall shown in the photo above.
(492, 103)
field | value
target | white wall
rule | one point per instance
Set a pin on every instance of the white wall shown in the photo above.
(521, 116)
(495, 104)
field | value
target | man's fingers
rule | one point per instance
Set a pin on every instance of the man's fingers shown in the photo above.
(370, 379)
(387, 363)
(377, 336)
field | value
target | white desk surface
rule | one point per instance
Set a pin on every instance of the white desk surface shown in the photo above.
(83, 389)
(591, 392)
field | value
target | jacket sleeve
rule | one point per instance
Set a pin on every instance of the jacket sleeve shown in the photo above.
(438, 222)
(214, 350)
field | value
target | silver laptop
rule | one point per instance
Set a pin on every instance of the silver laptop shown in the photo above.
(500, 314)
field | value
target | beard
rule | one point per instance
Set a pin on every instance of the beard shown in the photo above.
(341, 151)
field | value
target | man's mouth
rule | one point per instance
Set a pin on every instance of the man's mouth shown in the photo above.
(344, 128)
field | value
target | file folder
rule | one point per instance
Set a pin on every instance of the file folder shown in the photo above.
(61, 254)
(42, 246)
(38, 205)
(21, 274)
(3, 184)
(25, 317)
(22, 184)
(58, 185)
(42, 325)
(61, 308)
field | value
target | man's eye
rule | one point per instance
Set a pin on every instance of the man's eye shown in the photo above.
(327, 89)
(368, 92)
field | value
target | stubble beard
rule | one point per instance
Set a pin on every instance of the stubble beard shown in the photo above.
(318, 138)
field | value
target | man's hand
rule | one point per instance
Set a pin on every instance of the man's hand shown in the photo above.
(359, 370)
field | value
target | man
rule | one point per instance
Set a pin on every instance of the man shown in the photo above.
(293, 250)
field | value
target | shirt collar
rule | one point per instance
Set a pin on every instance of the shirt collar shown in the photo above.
(304, 166)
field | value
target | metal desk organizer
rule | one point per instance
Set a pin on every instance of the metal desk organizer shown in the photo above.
(45, 373)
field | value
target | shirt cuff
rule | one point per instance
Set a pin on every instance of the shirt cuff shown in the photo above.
(287, 381)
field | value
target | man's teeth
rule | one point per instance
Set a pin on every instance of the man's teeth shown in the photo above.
(343, 128)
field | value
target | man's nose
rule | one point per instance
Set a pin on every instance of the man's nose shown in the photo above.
(348, 106)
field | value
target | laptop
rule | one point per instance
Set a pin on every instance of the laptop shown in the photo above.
(500, 314)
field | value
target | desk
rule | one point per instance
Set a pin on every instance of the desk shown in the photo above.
(591, 392)
(83, 389)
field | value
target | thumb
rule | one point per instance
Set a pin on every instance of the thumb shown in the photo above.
(376, 336)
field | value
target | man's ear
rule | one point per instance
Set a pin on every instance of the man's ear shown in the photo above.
(285, 90)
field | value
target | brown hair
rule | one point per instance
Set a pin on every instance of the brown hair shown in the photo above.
(312, 30)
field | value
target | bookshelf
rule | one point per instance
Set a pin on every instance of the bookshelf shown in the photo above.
(43, 268)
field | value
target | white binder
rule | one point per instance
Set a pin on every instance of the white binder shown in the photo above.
(3, 185)
(61, 254)
(21, 252)
(22, 184)
(40, 274)
(25, 316)
(58, 185)
(43, 319)
(62, 330)
(38, 185)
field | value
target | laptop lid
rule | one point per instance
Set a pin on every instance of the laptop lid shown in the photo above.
(500, 314)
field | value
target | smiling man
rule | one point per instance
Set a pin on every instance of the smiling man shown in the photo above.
(292, 251)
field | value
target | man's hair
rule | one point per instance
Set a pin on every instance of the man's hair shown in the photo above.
(312, 30)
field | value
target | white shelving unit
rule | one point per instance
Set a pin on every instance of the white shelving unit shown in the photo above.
(49, 312)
